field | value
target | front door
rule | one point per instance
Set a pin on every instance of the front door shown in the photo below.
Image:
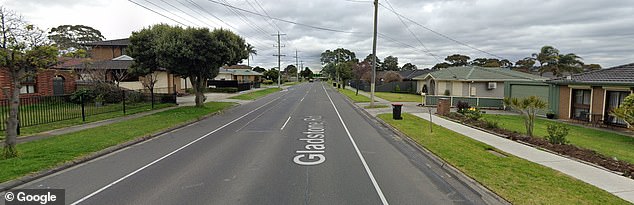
(58, 85)
(614, 99)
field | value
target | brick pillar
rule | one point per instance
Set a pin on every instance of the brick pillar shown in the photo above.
(443, 107)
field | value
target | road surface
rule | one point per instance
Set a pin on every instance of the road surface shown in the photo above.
(304, 145)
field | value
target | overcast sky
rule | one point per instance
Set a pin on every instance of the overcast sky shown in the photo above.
(599, 31)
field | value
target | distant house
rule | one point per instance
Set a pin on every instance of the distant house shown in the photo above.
(111, 56)
(471, 81)
(240, 75)
(592, 95)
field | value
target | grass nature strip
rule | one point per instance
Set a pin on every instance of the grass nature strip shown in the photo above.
(399, 97)
(256, 95)
(516, 180)
(352, 95)
(607, 143)
(50, 152)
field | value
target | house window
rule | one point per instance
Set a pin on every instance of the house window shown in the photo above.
(614, 99)
(581, 104)
(28, 85)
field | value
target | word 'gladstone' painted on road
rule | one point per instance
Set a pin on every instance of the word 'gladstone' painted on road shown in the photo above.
(313, 152)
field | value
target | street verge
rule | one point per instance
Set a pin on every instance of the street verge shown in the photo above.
(44, 157)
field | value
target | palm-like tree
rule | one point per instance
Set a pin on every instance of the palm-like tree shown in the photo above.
(551, 61)
(251, 51)
(570, 63)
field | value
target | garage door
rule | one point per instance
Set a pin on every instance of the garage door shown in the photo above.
(522, 91)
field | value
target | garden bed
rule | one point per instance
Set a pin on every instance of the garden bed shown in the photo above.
(591, 156)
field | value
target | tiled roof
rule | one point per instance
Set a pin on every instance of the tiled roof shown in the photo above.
(623, 74)
(116, 42)
(476, 73)
(409, 74)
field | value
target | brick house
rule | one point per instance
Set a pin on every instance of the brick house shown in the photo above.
(592, 95)
(46, 82)
(107, 50)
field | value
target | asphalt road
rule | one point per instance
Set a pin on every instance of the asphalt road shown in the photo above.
(304, 145)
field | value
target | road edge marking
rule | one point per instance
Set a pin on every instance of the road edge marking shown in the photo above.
(356, 148)
(289, 118)
(169, 154)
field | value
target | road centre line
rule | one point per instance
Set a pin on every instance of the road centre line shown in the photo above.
(171, 153)
(356, 148)
(289, 118)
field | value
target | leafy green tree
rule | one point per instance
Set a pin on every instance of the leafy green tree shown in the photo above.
(529, 107)
(70, 39)
(551, 61)
(505, 63)
(144, 49)
(390, 63)
(24, 50)
(290, 70)
(369, 60)
(458, 60)
(626, 111)
(259, 69)
(251, 51)
(306, 73)
(479, 61)
(332, 58)
(591, 67)
(441, 66)
(525, 64)
(271, 74)
(409, 66)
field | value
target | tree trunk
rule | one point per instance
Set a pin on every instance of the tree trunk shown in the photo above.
(199, 87)
(10, 142)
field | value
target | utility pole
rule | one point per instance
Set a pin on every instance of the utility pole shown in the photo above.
(296, 65)
(279, 61)
(301, 67)
(372, 84)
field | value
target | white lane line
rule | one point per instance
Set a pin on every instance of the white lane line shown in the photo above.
(365, 165)
(167, 155)
(256, 117)
(289, 118)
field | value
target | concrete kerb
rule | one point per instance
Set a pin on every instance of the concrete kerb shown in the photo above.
(487, 194)
(25, 179)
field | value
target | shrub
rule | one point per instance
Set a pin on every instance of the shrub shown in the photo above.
(397, 88)
(447, 93)
(491, 124)
(223, 90)
(473, 113)
(267, 82)
(557, 134)
(462, 106)
(88, 94)
(134, 97)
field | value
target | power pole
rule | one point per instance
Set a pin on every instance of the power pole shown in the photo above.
(376, 12)
(279, 61)
(297, 65)
(301, 67)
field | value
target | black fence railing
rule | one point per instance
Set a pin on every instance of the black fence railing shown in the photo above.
(39, 110)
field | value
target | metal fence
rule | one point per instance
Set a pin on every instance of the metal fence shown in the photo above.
(482, 102)
(39, 110)
(399, 87)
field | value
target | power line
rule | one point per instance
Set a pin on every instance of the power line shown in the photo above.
(156, 12)
(442, 35)
(168, 11)
(185, 12)
(412, 33)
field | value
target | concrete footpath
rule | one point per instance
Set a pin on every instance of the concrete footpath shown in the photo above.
(620, 186)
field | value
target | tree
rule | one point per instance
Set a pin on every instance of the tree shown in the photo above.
(390, 63)
(392, 76)
(551, 61)
(409, 66)
(626, 111)
(71, 39)
(458, 60)
(24, 50)
(259, 69)
(251, 51)
(359, 70)
(441, 66)
(505, 63)
(331, 58)
(529, 107)
(525, 64)
(290, 69)
(591, 67)
(271, 74)
(306, 73)
(369, 60)
(144, 49)
(345, 70)
(194, 53)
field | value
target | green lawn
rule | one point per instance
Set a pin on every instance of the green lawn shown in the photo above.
(255, 95)
(352, 95)
(399, 97)
(50, 152)
(290, 83)
(607, 143)
(376, 106)
(517, 180)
